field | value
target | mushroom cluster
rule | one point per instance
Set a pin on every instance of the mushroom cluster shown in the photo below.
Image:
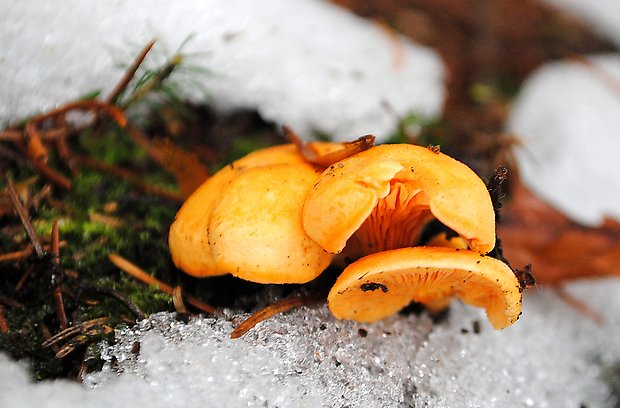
(412, 224)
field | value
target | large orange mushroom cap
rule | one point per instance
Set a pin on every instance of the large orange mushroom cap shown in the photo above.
(381, 284)
(246, 220)
(383, 197)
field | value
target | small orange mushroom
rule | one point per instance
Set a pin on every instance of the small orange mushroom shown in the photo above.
(246, 220)
(381, 284)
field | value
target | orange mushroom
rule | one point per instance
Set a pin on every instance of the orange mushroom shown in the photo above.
(379, 203)
(246, 220)
(381, 284)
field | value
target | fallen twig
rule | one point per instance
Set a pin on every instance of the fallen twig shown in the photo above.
(279, 307)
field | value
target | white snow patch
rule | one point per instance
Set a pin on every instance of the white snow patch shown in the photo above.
(552, 357)
(305, 63)
(568, 117)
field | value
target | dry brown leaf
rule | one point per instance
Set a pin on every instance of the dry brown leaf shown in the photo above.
(185, 166)
(558, 249)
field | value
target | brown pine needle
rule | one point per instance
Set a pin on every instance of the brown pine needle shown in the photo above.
(34, 144)
(281, 306)
(24, 217)
(129, 74)
(71, 330)
(65, 155)
(17, 255)
(4, 327)
(12, 135)
(177, 299)
(52, 175)
(24, 253)
(144, 277)
(84, 105)
(56, 290)
(309, 152)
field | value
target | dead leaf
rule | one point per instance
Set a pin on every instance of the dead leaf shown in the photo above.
(558, 248)
(185, 166)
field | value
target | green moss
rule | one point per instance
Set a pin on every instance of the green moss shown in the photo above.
(112, 145)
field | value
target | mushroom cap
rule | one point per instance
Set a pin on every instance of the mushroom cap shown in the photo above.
(246, 220)
(381, 284)
(348, 191)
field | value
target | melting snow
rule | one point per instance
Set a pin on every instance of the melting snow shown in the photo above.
(552, 357)
(305, 63)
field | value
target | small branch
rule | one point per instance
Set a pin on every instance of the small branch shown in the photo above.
(144, 277)
(23, 215)
(129, 74)
(279, 307)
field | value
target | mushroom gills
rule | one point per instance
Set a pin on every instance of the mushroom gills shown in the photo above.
(382, 284)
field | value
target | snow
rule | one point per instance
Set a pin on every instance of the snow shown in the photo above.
(305, 63)
(552, 357)
(567, 117)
